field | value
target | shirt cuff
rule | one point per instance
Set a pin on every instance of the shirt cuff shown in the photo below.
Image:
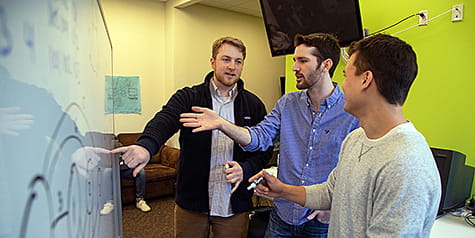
(253, 145)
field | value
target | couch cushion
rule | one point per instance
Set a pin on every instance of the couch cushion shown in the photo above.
(157, 172)
(156, 159)
(153, 173)
(169, 156)
(128, 138)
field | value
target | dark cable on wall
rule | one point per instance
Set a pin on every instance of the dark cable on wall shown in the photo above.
(397, 23)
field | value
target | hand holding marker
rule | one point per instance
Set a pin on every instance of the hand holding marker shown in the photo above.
(259, 180)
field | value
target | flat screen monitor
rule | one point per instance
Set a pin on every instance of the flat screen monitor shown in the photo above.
(283, 19)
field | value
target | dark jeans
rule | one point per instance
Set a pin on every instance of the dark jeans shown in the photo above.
(139, 181)
(278, 228)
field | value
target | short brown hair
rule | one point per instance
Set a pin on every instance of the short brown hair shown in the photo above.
(228, 40)
(393, 64)
(326, 47)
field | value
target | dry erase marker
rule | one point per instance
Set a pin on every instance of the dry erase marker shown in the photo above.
(258, 181)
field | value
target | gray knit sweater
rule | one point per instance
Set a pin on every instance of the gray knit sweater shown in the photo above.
(388, 187)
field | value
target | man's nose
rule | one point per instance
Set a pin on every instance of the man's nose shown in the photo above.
(295, 68)
(232, 65)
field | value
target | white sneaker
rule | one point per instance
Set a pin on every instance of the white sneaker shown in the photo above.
(108, 207)
(142, 206)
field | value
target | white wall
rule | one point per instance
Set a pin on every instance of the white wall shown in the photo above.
(196, 27)
(170, 48)
(137, 33)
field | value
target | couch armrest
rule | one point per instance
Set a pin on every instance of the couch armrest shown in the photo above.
(169, 156)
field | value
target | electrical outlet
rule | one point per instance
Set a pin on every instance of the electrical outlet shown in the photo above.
(423, 20)
(457, 12)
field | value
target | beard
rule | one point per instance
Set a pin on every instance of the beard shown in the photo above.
(226, 81)
(307, 81)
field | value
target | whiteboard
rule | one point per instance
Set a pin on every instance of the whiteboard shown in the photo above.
(58, 178)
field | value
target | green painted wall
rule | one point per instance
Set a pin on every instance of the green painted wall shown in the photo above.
(441, 102)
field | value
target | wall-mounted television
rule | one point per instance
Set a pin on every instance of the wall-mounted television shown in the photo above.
(456, 178)
(283, 19)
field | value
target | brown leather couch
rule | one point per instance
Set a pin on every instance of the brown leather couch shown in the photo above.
(160, 172)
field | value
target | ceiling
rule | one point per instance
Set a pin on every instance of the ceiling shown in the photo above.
(250, 7)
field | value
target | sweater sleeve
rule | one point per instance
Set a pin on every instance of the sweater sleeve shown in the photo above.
(319, 196)
(166, 122)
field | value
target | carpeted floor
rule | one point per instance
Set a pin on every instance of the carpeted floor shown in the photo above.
(157, 223)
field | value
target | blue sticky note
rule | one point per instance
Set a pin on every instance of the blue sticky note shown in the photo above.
(122, 94)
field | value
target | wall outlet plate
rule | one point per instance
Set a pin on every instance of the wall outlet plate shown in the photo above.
(457, 12)
(424, 20)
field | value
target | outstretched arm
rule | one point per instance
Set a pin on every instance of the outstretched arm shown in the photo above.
(206, 119)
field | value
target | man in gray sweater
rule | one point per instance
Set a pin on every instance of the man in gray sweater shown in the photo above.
(386, 183)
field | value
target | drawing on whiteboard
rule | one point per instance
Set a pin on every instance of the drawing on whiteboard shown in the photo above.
(5, 35)
(75, 181)
(54, 136)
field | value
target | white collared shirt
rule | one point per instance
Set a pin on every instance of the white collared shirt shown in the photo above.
(221, 151)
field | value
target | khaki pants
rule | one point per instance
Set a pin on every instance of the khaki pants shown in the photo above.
(194, 224)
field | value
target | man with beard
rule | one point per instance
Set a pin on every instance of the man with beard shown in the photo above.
(311, 124)
(209, 192)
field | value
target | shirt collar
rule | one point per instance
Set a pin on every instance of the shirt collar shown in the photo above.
(334, 97)
(329, 101)
(215, 91)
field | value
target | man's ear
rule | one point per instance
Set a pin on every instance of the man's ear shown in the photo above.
(212, 62)
(367, 79)
(327, 65)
